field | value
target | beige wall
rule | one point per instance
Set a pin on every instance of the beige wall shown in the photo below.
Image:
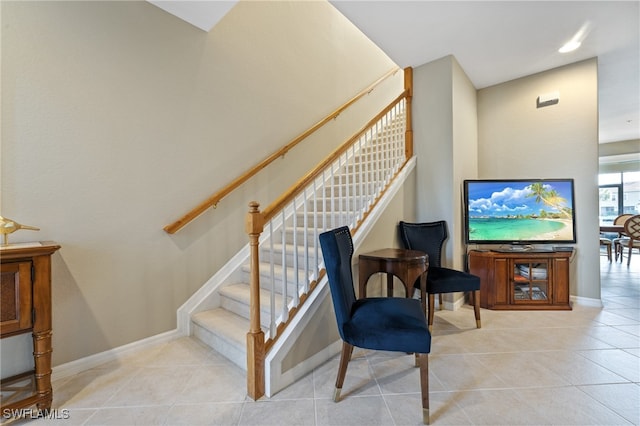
(433, 135)
(445, 139)
(514, 140)
(518, 140)
(118, 117)
(465, 154)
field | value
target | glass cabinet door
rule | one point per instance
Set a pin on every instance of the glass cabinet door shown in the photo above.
(530, 281)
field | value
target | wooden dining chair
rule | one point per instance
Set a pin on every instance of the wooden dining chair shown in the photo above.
(632, 232)
(619, 241)
(606, 243)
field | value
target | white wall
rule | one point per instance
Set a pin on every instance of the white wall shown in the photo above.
(518, 140)
(117, 118)
(617, 157)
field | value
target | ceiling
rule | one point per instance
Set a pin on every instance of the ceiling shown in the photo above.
(497, 41)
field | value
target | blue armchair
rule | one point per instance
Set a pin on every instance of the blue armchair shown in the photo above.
(429, 238)
(378, 323)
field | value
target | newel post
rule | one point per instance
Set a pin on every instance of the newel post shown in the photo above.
(408, 136)
(255, 337)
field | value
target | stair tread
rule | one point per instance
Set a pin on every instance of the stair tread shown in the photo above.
(265, 271)
(240, 292)
(225, 323)
(290, 247)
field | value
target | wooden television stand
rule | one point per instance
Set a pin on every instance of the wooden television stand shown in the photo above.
(522, 280)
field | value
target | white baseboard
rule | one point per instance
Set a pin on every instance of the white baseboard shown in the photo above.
(458, 302)
(184, 312)
(74, 367)
(585, 301)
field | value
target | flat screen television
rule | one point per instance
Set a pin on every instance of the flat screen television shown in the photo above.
(519, 211)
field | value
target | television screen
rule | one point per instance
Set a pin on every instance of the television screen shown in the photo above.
(519, 211)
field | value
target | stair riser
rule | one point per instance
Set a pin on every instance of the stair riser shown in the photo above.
(333, 221)
(351, 204)
(311, 238)
(227, 348)
(384, 144)
(341, 188)
(370, 163)
(322, 221)
(243, 310)
(264, 257)
(288, 238)
(265, 283)
(265, 279)
(340, 179)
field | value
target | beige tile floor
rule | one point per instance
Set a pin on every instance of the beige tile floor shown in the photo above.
(540, 368)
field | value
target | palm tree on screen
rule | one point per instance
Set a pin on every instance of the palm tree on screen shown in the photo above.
(550, 197)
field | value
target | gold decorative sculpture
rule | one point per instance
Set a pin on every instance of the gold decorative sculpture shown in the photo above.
(8, 226)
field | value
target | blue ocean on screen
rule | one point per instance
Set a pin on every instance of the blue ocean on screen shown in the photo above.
(511, 228)
(519, 211)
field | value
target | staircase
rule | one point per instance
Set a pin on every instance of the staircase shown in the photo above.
(342, 192)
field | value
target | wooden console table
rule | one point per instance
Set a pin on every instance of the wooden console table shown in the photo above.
(25, 271)
(522, 280)
(407, 265)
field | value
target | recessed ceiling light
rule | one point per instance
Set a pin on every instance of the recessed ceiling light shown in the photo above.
(577, 39)
(570, 46)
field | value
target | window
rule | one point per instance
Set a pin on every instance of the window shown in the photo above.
(631, 192)
(619, 193)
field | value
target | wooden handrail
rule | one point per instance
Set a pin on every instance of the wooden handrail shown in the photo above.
(215, 198)
(277, 205)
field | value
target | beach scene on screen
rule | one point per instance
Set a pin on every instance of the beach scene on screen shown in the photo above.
(520, 211)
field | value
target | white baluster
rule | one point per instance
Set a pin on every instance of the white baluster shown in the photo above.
(307, 274)
(296, 295)
(284, 270)
(272, 276)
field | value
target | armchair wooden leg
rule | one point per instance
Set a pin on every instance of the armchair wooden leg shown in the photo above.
(440, 301)
(476, 306)
(432, 302)
(423, 360)
(345, 357)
